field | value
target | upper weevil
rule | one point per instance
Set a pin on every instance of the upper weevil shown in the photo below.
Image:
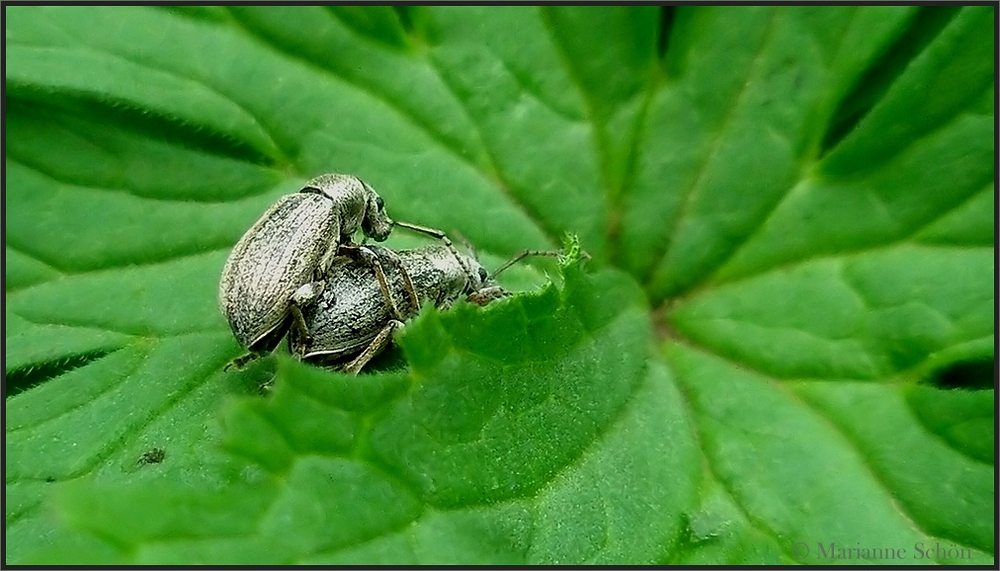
(291, 246)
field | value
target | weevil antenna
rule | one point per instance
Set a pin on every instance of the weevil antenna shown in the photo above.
(522, 255)
(468, 245)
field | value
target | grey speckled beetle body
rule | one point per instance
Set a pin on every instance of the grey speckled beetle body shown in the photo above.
(280, 262)
(352, 321)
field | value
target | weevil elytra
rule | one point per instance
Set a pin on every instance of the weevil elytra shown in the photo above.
(352, 320)
(279, 263)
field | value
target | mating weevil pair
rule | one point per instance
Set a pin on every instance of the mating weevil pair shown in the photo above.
(281, 277)
(287, 251)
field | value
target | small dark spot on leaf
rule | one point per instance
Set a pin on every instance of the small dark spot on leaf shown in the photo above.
(799, 81)
(152, 456)
(970, 375)
(50, 479)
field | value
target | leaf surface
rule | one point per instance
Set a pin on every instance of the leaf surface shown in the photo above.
(781, 347)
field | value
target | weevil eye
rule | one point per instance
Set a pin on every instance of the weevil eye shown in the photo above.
(379, 203)
(483, 275)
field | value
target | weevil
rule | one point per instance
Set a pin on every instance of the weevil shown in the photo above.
(278, 266)
(352, 320)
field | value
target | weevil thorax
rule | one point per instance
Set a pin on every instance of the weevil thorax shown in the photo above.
(462, 274)
(358, 204)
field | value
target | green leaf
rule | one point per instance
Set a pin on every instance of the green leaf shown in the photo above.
(780, 348)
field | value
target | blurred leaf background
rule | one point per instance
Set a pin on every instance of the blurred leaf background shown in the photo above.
(782, 346)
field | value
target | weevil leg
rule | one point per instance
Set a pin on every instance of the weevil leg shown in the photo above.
(240, 362)
(408, 286)
(367, 256)
(440, 235)
(411, 292)
(374, 348)
(468, 245)
(327, 260)
(383, 284)
(487, 295)
(267, 387)
(305, 296)
(299, 324)
(340, 241)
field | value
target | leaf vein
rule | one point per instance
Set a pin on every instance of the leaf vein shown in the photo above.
(735, 248)
(725, 483)
(717, 141)
(505, 185)
(864, 460)
(105, 390)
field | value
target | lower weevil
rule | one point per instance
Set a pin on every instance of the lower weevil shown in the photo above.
(353, 320)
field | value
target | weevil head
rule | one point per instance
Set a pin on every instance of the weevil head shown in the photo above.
(481, 289)
(376, 224)
(477, 277)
